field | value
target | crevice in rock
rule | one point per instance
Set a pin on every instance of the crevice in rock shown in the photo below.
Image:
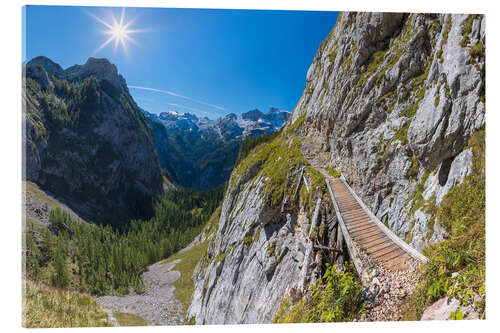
(444, 171)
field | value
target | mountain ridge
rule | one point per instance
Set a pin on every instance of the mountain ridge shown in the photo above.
(250, 123)
(87, 141)
(199, 152)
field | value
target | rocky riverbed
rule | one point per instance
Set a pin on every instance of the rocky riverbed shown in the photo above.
(157, 305)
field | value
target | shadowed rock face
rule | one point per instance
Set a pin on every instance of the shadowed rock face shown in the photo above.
(389, 114)
(87, 142)
(101, 69)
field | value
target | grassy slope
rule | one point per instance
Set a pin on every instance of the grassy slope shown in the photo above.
(334, 298)
(462, 213)
(45, 306)
(128, 319)
(42, 196)
(184, 286)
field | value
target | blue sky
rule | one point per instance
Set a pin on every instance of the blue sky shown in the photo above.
(206, 62)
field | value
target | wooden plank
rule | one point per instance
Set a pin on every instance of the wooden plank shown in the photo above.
(402, 244)
(322, 247)
(362, 227)
(298, 183)
(353, 253)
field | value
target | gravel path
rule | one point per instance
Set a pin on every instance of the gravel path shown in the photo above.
(388, 289)
(393, 289)
(157, 305)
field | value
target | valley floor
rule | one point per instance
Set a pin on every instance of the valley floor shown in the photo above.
(157, 305)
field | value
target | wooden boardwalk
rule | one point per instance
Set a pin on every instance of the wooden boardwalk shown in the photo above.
(358, 224)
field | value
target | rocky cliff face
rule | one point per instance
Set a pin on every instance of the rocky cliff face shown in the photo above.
(390, 101)
(394, 99)
(87, 142)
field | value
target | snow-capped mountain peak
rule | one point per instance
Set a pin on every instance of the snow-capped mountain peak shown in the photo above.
(251, 123)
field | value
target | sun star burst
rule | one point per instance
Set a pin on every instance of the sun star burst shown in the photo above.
(118, 31)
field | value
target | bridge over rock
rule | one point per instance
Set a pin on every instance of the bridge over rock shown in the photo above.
(368, 240)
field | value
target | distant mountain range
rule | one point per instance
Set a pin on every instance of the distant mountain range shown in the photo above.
(89, 143)
(230, 127)
(199, 152)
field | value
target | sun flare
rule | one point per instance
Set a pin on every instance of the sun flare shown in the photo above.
(118, 31)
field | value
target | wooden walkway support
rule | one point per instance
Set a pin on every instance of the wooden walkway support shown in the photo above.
(309, 249)
(360, 225)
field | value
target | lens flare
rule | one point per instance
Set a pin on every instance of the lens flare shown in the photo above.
(118, 32)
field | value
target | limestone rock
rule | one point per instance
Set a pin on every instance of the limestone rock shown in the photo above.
(394, 101)
(389, 98)
(443, 308)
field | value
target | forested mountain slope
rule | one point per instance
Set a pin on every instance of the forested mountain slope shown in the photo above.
(87, 142)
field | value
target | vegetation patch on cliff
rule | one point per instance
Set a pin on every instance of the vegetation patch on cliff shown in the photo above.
(275, 161)
(456, 266)
(466, 29)
(334, 298)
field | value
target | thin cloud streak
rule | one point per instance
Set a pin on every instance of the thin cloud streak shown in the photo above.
(178, 95)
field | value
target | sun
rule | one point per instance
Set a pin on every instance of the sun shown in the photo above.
(118, 32)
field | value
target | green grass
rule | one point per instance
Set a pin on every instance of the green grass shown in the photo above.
(184, 286)
(274, 161)
(346, 64)
(250, 239)
(296, 124)
(396, 55)
(412, 172)
(332, 55)
(410, 111)
(128, 319)
(378, 59)
(466, 30)
(45, 306)
(402, 134)
(334, 298)
(462, 214)
(477, 51)
(334, 172)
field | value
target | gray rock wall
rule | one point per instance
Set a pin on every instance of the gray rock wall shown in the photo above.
(253, 261)
(395, 97)
(392, 100)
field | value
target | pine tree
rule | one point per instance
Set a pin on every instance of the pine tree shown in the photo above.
(61, 277)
